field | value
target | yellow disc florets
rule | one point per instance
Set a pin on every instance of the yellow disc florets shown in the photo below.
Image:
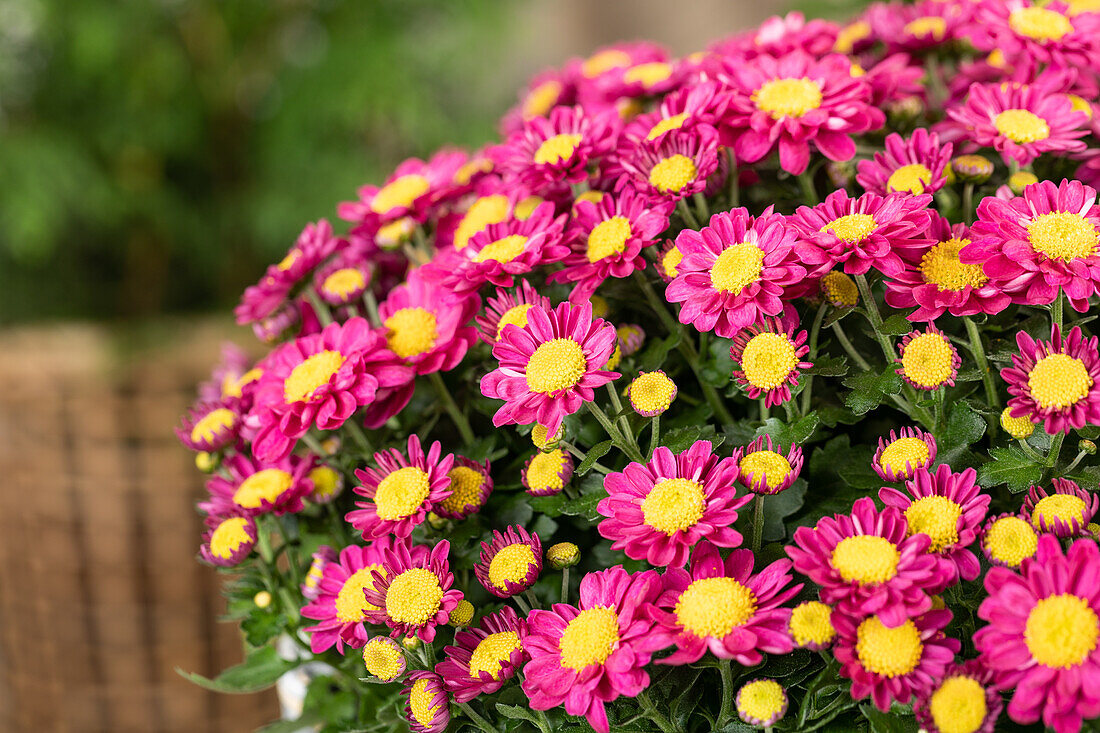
(850, 35)
(465, 490)
(665, 124)
(937, 517)
(839, 289)
(511, 564)
(1009, 540)
(1039, 24)
(764, 470)
(383, 658)
(414, 596)
(713, 607)
(1059, 381)
(544, 472)
(420, 702)
(912, 178)
(904, 455)
(344, 283)
(399, 193)
(492, 652)
(1061, 631)
(768, 360)
(1066, 507)
(412, 331)
(262, 487)
(608, 238)
(327, 483)
(738, 266)
(670, 262)
(788, 97)
(928, 360)
(1062, 235)
(541, 99)
(229, 536)
(1021, 126)
(590, 638)
(401, 493)
(940, 266)
(563, 555)
(556, 365)
(852, 228)
(462, 614)
(648, 74)
(351, 603)
(811, 624)
(541, 440)
(502, 250)
(311, 374)
(1018, 427)
(486, 210)
(213, 424)
(888, 652)
(671, 174)
(929, 25)
(651, 393)
(866, 559)
(557, 148)
(761, 700)
(958, 705)
(673, 505)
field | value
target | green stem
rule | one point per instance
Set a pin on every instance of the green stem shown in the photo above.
(622, 421)
(1070, 467)
(579, 455)
(654, 434)
(313, 444)
(372, 308)
(543, 722)
(529, 594)
(324, 315)
(733, 181)
(806, 181)
(1031, 452)
(765, 413)
(564, 585)
(968, 202)
(1056, 310)
(449, 405)
(522, 604)
(629, 448)
(757, 522)
(815, 332)
(1055, 449)
(291, 557)
(359, 435)
(701, 205)
(652, 713)
(977, 350)
(848, 348)
(479, 721)
(686, 215)
(727, 694)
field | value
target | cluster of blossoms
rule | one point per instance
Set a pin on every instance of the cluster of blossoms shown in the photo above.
(772, 338)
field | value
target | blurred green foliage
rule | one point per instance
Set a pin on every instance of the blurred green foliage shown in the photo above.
(156, 154)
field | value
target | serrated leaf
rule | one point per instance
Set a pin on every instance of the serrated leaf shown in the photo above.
(778, 507)
(969, 375)
(594, 454)
(517, 712)
(856, 470)
(897, 325)
(835, 315)
(548, 505)
(257, 672)
(964, 429)
(892, 721)
(1010, 466)
(870, 388)
(797, 432)
(679, 440)
(653, 357)
(829, 366)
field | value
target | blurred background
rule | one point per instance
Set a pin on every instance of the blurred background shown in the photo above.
(155, 156)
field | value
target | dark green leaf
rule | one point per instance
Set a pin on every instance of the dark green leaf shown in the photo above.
(594, 454)
(856, 470)
(517, 712)
(835, 315)
(870, 388)
(257, 672)
(964, 429)
(897, 325)
(679, 440)
(1010, 466)
(829, 366)
(653, 357)
(780, 506)
(893, 721)
(548, 505)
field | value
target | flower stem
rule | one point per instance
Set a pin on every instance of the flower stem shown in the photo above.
(815, 332)
(727, 694)
(977, 350)
(654, 434)
(530, 596)
(359, 435)
(686, 215)
(522, 604)
(324, 315)
(372, 308)
(848, 348)
(765, 413)
(449, 405)
(630, 448)
(479, 721)
(968, 203)
(701, 205)
(1056, 310)
(757, 522)
(1055, 449)
(623, 422)
(652, 713)
(1031, 452)
(1070, 467)
(806, 181)
(543, 722)
(733, 181)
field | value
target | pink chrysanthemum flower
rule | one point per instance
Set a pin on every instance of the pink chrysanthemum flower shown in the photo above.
(915, 165)
(321, 380)
(865, 232)
(896, 80)
(410, 191)
(402, 490)
(702, 103)
(671, 168)
(733, 271)
(657, 511)
(509, 307)
(1033, 245)
(1041, 641)
(1063, 512)
(963, 700)
(631, 337)
(940, 281)
(426, 324)
(486, 657)
(233, 372)
(557, 149)
(253, 488)
(903, 453)
(924, 25)
(471, 485)
(547, 472)
(892, 662)
(551, 366)
(588, 655)
(789, 101)
(1045, 31)
(720, 606)
(209, 426)
(865, 562)
(427, 707)
(607, 240)
(765, 468)
(769, 359)
(344, 278)
(653, 78)
(1019, 121)
(949, 508)
(414, 594)
(340, 604)
(668, 261)
(608, 59)
(927, 359)
(311, 586)
(227, 540)
(511, 563)
(314, 245)
(545, 91)
(1008, 539)
(1055, 382)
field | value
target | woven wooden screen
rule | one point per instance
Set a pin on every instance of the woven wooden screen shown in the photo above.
(100, 594)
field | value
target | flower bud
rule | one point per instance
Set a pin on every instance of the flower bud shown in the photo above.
(436, 521)
(462, 614)
(839, 290)
(1018, 427)
(411, 643)
(563, 555)
(651, 393)
(262, 599)
(206, 462)
(1018, 180)
(543, 441)
(1087, 446)
(972, 168)
(841, 173)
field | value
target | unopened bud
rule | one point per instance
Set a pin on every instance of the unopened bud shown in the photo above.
(972, 168)
(206, 462)
(262, 599)
(1087, 446)
(563, 555)
(1021, 179)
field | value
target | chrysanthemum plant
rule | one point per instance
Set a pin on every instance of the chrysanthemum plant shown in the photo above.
(751, 389)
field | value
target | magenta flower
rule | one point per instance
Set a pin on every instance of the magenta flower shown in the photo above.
(413, 595)
(765, 468)
(904, 453)
(588, 655)
(511, 563)
(551, 366)
(733, 271)
(340, 605)
(426, 324)
(702, 103)
(1064, 512)
(927, 360)
(1055, 382)
(790, 101)
(545, 91)
(233, 372)
(547, 472)
(311, 585)
(486, 657)
(670, 168)
(1049, 32)
(410, 191)
(861, 233)
(1041, 641)
(427, 707)
(923, 25)
(657, 511)
(253, 488)
(866, 563)
(557, 149)
(509, 307)
(964, 699)
(722, 607)
(471, 485)
(227, 540)
(209, 426)
(768, 356)
(402, 490)
(915, 165)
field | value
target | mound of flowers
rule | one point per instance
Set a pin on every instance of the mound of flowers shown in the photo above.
(750, 389)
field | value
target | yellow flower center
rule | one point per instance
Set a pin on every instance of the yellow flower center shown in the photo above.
(839, 289)
(228, 537)
(263, 486)
(542, 99)
(1062, 235)
(526, 207)
(325, 482)
(737, 266)
(351, 602)
(665, 124)
(1021, 126)
(557, 148)
(413, 597)
(1061, 631)
(420, 703)
(928, 360)
(958, 706)
(589, 638)
(673, 504)
(671, 174)
(608, 238)
(714, 607)
(888, 652)
(401, 193)
(511, 564)
(1059, 381)
(852, 228)
(937, 517)
(401, 493)
(909, 179)
(866, 559)
(850, 35)
(288, 261)
(1083, 6)
(563, 553)
(930, 25)
(1039, 24)
(1018, 427)
(940, 266)
(1066, 507)
(213, 423)
(788, 97)
(515, 316)
(390, 236)
(648, 74)
(544, 471)
(465, 489)
(468, 170)
(539, 437)
(768, 360)
(462, 614)
(761, 464)
(234, 387)
(605, 61)
(591, 196)
(761, 699)
(1079, 104)
(311, 374)
(652, 392)
(502, 250)
(381, 659)
(482, 212)
(1010, 540)
(811, 624)
(492, 652)
(412, 331)
(344, 282)
(996, 58)
(671, 261)
(911, 451)
(556, 365)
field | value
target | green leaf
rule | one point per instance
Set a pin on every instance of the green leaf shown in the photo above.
(548, 505)
(257, 672)
(594, 454)
(856, 470)
(829, 366)
(653, 357)
(797, 432)
(964, 429)
(292, 726)
(870, 388)
(1010, 466)
(894, 721)
(835, 315)
(262, 625)
(545, 527)
(897, 325)
(517, 712)
(778, 507)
